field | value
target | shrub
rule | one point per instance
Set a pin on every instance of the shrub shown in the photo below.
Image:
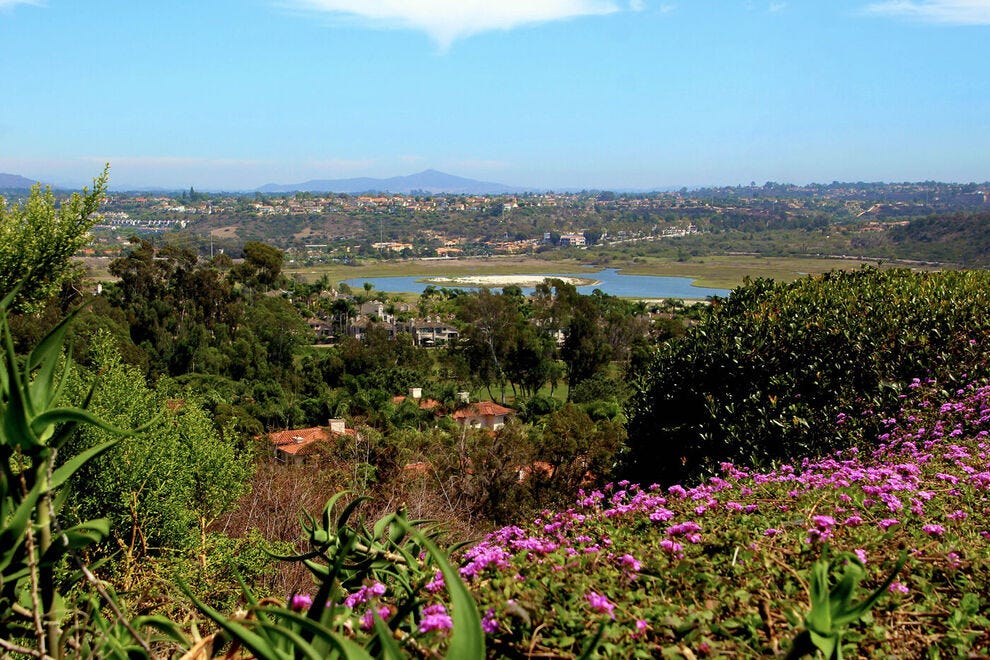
(766, 374)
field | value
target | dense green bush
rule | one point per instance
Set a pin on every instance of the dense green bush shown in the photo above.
(768, 372)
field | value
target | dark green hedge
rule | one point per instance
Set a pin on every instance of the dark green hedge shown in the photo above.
(780, 371)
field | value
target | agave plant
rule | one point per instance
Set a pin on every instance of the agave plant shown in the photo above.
(832, 609)
(38, 616)
(342, 556)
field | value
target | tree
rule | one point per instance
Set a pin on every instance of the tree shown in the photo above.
(162, 487)
(38, 237)
(577, 450)
(586, 349)
(491, 326)
(262, 265)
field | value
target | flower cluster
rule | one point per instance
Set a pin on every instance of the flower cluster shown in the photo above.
(925, 484)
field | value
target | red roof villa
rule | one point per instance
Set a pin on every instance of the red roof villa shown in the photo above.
(296, 445)
(483, 415)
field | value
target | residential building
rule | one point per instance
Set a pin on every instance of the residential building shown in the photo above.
(298, 446)
(483, 415)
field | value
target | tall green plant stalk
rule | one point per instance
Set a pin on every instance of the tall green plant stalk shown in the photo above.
(33, 427)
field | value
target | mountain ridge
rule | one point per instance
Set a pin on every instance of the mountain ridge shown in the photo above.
(429, 181)
(15, 182)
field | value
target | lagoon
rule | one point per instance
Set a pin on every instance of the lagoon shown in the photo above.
(608, 280)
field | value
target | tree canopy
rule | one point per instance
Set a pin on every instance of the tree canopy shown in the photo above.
(38, 237)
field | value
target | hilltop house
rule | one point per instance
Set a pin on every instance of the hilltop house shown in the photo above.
(297, 446)
(483, 415)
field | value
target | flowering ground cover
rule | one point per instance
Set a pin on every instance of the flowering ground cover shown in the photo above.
(723, 568)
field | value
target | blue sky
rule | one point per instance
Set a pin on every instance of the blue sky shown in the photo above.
(233, 94)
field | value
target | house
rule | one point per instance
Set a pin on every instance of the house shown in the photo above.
(360, 326)
(321, 328)
(378, 309)
(431, 333)
(296, 446)
(483, 415)
(572, 240)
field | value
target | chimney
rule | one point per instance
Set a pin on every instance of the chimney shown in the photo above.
(464, 397)
(415, 392)
(336, 425)
(298, 439)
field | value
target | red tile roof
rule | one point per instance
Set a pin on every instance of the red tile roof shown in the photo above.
(483, 409)
(424, 404)
(286, 441)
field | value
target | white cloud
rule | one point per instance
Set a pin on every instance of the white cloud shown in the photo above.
(448, 20)
(9, 4)
(951, 12)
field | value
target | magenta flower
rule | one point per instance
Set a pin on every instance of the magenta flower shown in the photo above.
(368, 619)
(435, 617)
(600, 603)
(933, 530)
(300, 602)
(364, 594)
(630, 562)
(436, 584)
(488, 622)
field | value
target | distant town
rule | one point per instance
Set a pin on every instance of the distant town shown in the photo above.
(339, 226)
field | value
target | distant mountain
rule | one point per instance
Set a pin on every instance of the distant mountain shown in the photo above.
(429, 181)
(15, 182)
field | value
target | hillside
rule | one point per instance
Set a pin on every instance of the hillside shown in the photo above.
(962, 238)
(15, 182)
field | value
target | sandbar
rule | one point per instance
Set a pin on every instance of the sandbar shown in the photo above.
(497, 281)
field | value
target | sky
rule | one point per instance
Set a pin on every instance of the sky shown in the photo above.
(552, 94)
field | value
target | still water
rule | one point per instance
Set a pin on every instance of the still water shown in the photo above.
(610, 281)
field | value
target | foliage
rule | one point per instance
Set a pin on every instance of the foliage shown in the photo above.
(832, 609)
(574, 450)
(160, 490)
(44, 611)
(728, 567)
(38, 237)
(960, 238)
(376, 593)
(766, 374)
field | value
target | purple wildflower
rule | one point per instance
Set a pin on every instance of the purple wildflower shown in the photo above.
(600, 603)
(300, 602)
(435, 617)
(488, 622)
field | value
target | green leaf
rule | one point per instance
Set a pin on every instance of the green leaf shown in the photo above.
(14, 529)
(348, 648)
(67, 469)
(261, 647)
(390, 649)
(467, 641)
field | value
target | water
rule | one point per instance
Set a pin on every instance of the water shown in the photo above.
(610, 280)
